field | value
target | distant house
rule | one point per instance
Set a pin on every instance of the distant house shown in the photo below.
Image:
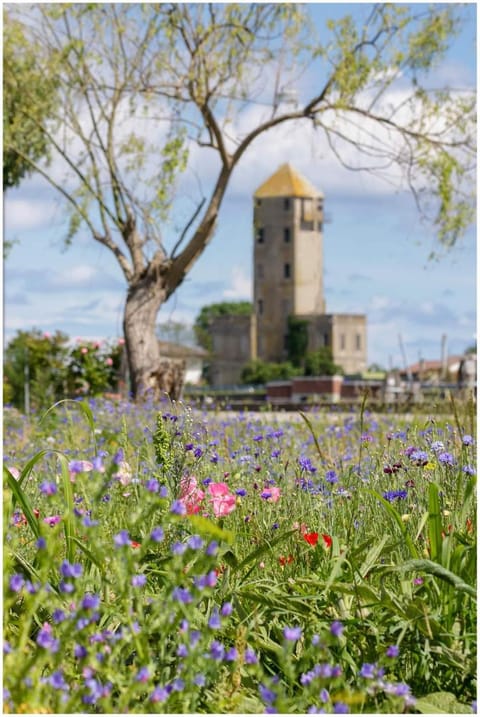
(194, 358)
(428, 371)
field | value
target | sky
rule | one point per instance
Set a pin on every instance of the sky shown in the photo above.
(376, 250)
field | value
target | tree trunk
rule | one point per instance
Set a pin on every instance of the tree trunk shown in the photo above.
(150, 373)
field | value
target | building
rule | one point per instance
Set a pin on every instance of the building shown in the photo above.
(288, 220)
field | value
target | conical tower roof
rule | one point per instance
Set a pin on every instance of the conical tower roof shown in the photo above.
(287, 182)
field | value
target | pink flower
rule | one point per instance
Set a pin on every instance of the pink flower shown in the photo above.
(52, 520)
(84, 350)
(223, 502)
(108, 361)
(272, 495)
(190, 495)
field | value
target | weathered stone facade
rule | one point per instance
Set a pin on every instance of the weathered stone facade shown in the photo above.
(288, 219)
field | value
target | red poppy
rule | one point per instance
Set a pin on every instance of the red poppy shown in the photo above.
(284, 561)
(134, 544)
(311, 538)
(327, 540)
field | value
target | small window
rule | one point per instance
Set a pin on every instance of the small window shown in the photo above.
(260, 235)
(260, 307)
(319, 205)
(286, 203)
(320, 226)
(342, 342)
(325, 339)
(358, 342)
(258, 202)
(286, 271)
(286, 235)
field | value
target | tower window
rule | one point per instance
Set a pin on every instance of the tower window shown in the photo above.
(320, 226)
(286, 271)
(342, 342)
(260, 307)
(286, 203)
(260, 235)
(286, 235)
(325, 339)
(358, 342)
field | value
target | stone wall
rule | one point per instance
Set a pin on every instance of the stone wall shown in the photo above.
(234, 344)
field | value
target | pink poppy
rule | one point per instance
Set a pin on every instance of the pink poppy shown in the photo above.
(190, 495)
(273, 494)
(223, 502)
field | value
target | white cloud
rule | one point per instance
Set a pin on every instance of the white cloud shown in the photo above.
(241, 285)
(24, 214)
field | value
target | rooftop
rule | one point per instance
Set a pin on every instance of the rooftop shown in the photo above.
(287, 182)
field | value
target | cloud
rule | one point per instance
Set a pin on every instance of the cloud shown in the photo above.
(25, 214)
(81, 277)
(241, 285)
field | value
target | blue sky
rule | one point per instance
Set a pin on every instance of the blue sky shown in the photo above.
(376, 251)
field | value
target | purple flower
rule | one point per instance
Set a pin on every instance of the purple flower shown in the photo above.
(195, 542)
(368, 671)
(340, 708)
(52, 520)
(199, 680)
(467, 440)
(16, 583)
(241, 492)
(331, 477)
(336, 628)
(250, 657)
(58, 616)
(392, 651)
(46, 640)
(306, 465)
(446, 458)
(178, 508)
(392, 495)
(267, 695)
(90, 602)
(152, 485)
(214, 622)
(419, 457)
(212, 548)
(324, 695)
(143, 675)
(179, 548)
(121, 539)
(71, 570)
(41, 543)
(48, 488)
(138, 581)
(118, 457)
(157, 535)
(198, 452)
(182, 651)
(226, 609)
(217, 650)
(182, 595)
(80, 652)
(159, 694)
(292, 633)
(178, 685)
(231, 655)
(57, 681)
(66, 587)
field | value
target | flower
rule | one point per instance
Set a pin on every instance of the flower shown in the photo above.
(52, 520)
(138, 581)
(311, 538)
(292, 633)
(285, 561)
(223, 502)
(392, 651)
(121, 539)
(46, 640)
(327, 540)
(336, 628)
(48, 488)
(157, 535)
(446, 458)
(190, 495)
(272, 494)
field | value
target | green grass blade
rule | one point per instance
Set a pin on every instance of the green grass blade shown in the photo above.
(68, 522)
(432, 568)
(20, 496)
(434, 523)
(82, 406)
(398, 519)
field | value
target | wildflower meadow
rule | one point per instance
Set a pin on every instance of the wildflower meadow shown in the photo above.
(163, 559)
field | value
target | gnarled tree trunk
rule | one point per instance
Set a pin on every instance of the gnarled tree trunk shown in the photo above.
(150, 373)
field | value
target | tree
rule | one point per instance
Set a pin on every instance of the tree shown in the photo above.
(320, 363)
(28, 100)
(140, 85)
(297, 340)
(207, 313)
(257, 372)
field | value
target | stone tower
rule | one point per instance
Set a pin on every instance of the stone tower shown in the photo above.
(288, 257)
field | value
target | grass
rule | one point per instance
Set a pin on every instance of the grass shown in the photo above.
(179, 562)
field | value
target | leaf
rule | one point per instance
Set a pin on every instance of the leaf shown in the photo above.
(82, 406)
(432, 568)
(264, 548)
(22, 499)
(434, 522)
(206, 526)
(441, 703)
(398, 519)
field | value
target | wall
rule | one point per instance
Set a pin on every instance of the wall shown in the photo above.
(234, 344)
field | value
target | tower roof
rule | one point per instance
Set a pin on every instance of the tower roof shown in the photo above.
(287, 182)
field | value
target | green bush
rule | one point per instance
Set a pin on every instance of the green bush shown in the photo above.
(260, 372)
(320, 363)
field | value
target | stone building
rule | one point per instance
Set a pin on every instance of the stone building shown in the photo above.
(288, 219)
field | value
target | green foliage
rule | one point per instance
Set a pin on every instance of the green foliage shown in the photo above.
(260, 372)
(211, 311)
(53, 369)
(320, 363)
(29, 97)
(297, 340)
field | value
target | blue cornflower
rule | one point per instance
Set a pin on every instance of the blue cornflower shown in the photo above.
(121, 539)
(199, 680)
(89, 523)
(159, 694)
(118, 457)
(241, 492)
(292, 633)
(157, 535)
(392, 495)
(331, 477)
(212, 548)
(368, 671)
(198, 452)
(446, 458)
(340, 708)
(306, 465)
(231, 655)
(58, 616)
(250, 656)
(80, 652)
(143, 675)
(179, 548)
(420, 457)
(467, 440)
(437, 446)
(178, 685)
(182, 651)
(469, 470)
(66, 587)
(57, 681)
(41, 543)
